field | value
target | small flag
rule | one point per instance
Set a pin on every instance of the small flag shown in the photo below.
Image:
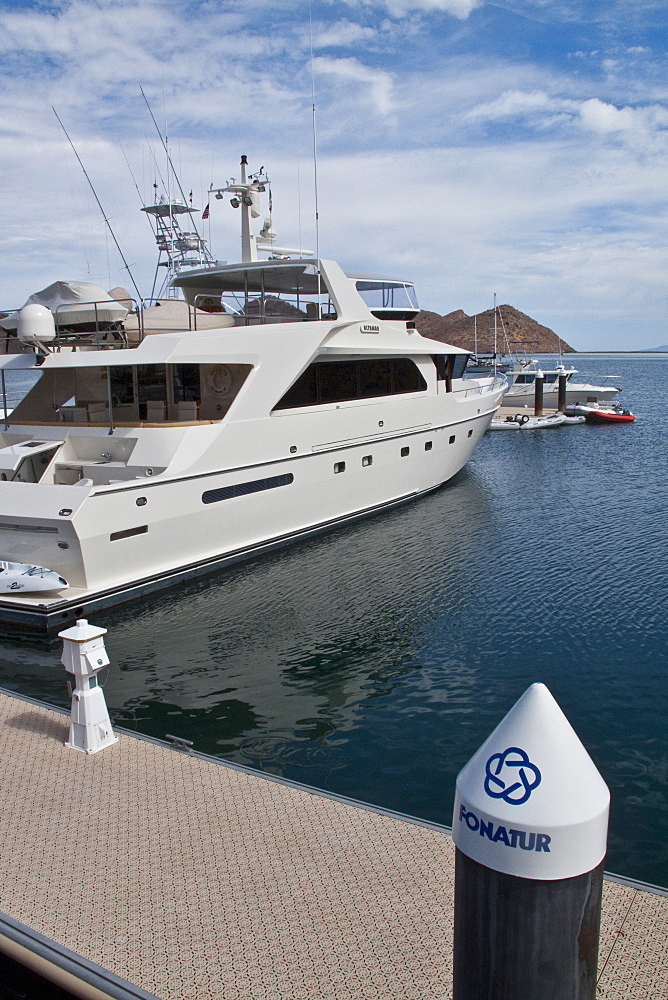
(191, 197)
(205, 213)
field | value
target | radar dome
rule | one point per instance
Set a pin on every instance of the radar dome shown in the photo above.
(35, 324)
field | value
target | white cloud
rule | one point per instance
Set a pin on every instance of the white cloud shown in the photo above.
(342, 34)
(403, 8)
(604, 118)
(466, 171)
(378, 82)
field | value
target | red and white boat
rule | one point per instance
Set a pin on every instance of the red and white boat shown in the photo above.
(602, 413)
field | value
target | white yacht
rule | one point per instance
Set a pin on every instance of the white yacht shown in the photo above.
(137, 461)
(521, 378)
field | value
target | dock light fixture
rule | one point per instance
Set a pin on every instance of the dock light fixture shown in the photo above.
(84, 656)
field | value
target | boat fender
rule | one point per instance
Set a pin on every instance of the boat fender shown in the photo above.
(524, 419)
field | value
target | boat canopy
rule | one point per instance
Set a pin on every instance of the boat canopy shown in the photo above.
(259, 276)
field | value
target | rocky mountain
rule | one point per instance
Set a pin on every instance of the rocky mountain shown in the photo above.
(515, 332)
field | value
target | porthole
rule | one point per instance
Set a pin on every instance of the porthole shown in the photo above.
(293, 449)
(452, 439)
(339, 467)
(140, 501)
(367, 460)
(428, 445)
(405, 451)
(470, 433)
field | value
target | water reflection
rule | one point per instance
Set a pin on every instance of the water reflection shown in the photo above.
(295, 645)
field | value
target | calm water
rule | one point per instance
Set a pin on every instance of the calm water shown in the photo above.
(374, 661)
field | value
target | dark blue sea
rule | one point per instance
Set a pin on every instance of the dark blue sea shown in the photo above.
(374, 661)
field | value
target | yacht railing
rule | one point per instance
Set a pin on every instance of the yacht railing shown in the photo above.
(484, 387)
(71, 338)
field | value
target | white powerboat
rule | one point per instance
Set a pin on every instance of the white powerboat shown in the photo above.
(312, 401)
(521, 378)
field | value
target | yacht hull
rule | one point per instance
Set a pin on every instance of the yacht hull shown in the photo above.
(149, 533)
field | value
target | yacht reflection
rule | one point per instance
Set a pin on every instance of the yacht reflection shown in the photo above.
(297, 644)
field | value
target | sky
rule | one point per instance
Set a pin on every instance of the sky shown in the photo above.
(516, 148)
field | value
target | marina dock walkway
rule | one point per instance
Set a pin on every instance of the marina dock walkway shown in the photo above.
(193, 879)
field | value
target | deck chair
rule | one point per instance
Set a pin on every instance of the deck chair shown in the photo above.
(187, 409)
(156, 411)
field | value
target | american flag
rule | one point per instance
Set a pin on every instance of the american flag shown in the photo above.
(205, 213)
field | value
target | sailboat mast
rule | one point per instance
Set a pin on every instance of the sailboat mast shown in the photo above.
(495, 333)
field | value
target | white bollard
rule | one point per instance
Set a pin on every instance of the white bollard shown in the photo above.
(530, 826)
(84, 656)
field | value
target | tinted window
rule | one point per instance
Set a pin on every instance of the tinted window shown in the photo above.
(336, 381)
(375, 378)
(459, 365)
(303, 393)
(406, 376)
(186, 383)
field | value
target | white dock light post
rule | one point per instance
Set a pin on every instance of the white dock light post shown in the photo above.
(530, 828)
(84, 656)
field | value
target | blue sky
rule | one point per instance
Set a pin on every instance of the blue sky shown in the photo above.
(517, 147)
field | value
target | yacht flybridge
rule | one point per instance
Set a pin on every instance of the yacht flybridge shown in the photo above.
(307, 399)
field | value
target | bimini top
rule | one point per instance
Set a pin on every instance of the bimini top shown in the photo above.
(290, 288)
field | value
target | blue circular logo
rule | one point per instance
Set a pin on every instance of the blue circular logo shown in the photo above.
(511, 776)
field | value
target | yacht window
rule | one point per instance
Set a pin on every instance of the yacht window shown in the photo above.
(449, 366)
(394, 295)
(244, 489)
(186, 383)
(337, 381)
(459, 365)
(376, 377)
(122, 388)
(525, 379)
(551, 376)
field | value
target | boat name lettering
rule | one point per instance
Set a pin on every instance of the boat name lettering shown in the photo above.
(525, 839)
(369, 328)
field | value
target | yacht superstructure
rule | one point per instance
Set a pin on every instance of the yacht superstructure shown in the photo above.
(313, 400)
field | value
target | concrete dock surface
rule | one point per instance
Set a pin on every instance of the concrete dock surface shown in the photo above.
(194, 879)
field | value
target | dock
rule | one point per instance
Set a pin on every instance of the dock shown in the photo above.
(190, 877)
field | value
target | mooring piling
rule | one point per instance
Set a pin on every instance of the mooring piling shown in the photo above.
(530, 829)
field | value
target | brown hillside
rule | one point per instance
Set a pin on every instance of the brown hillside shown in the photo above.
(523, 334)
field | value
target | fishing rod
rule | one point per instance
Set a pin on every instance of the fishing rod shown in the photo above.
(170, 163)
(118, 246)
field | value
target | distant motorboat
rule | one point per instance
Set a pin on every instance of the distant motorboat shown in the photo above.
(31, 579)
(522, 385)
